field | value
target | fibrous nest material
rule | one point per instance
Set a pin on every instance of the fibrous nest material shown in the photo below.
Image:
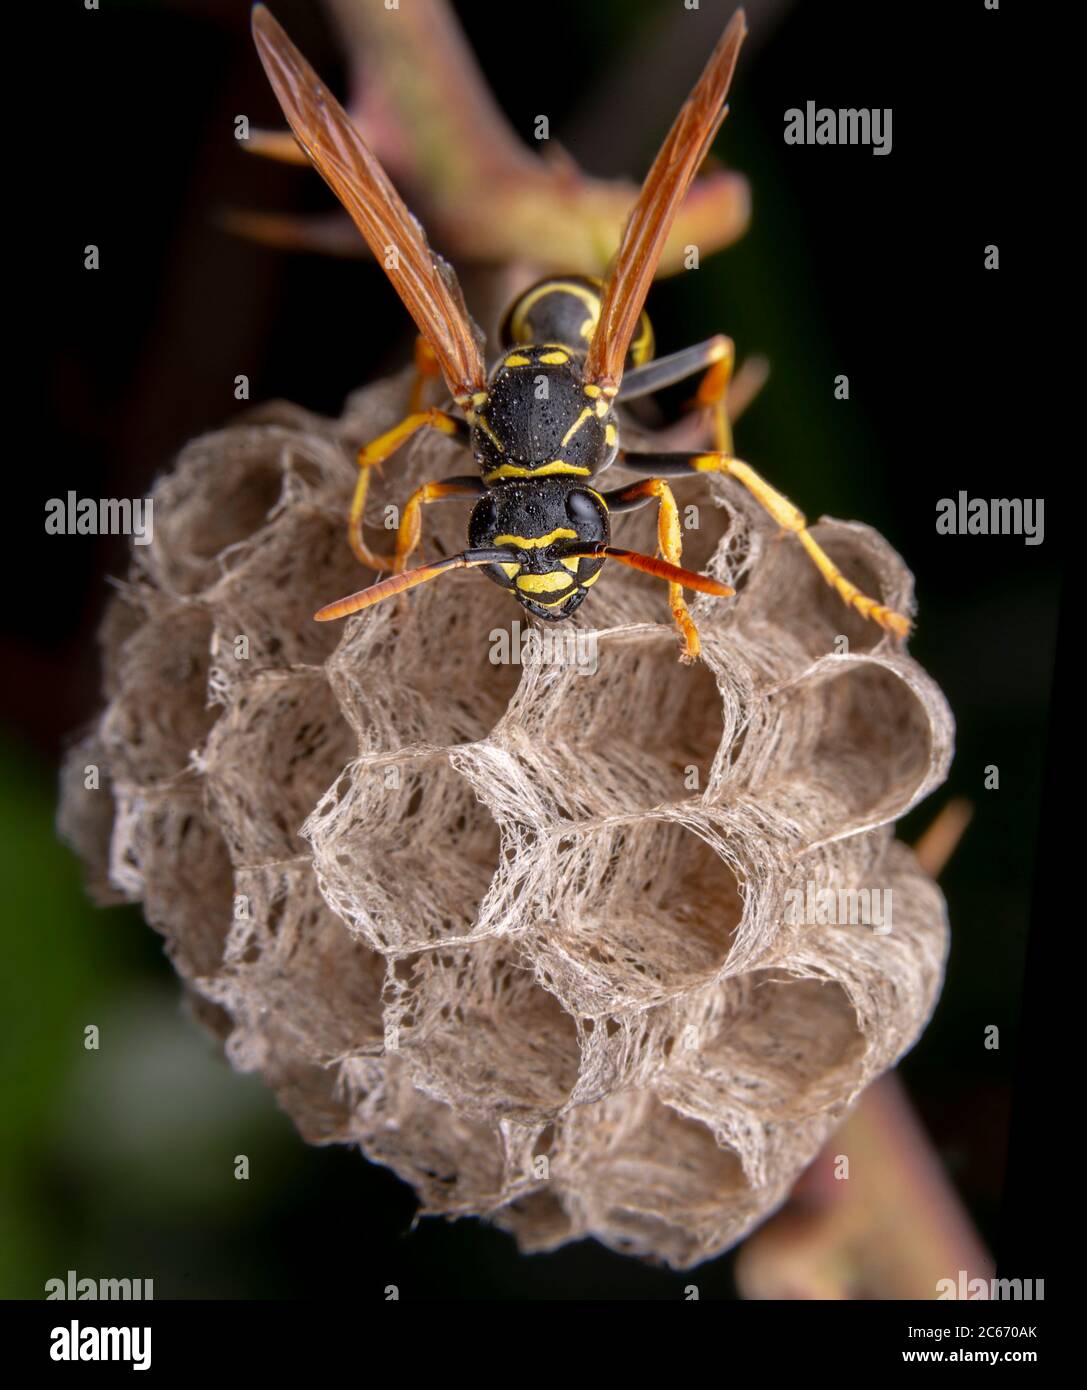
(519, 928)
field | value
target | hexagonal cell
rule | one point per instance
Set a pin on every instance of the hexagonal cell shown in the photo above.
(786, 585)
(377, 836)
(270, 759)
(772, 1077)
(538, 1221)
(453, 1162)
(641, 911)
(652, 740)
(149, 737)
(798, 1045)
(310, 1096)
(857, 741)
(435, 667)
(166, 851)
(651, 1182)
(475, 1029)
(271, 588)
(290, 958)
(892, 978)
(221, 492)
(627, 1049)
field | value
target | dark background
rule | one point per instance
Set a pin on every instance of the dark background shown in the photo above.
(856, 264)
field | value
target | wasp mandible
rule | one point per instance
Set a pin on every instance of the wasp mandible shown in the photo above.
(543, 424)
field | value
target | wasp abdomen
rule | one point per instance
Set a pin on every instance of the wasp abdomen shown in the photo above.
(566, 309)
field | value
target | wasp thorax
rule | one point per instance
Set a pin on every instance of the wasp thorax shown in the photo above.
(540, 419)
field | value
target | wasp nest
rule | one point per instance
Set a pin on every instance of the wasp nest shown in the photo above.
(530, 922)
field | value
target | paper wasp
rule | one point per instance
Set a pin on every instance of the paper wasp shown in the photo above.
(543, 423)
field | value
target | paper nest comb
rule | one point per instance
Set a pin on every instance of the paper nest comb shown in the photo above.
(518, 931)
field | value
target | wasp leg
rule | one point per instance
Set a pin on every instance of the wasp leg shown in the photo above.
(670, 541)
(275, 144)
(712, 395)
(426, 369)
(375, 453)
(724, 390)
(787, 516)
(677, 366)
(411, 523)
(747, 381)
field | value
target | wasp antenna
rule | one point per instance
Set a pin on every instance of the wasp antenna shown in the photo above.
(649, 564)
(398, 583)
(661, 569)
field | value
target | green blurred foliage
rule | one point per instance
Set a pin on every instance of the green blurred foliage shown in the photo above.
(115, 1157)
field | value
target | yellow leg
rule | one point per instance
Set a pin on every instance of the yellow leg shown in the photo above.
(747, 381)
(670, 543)
(375, 453)
(712, 394)
(792, 519)
(426, 369)
(727, 392)
(411, 523)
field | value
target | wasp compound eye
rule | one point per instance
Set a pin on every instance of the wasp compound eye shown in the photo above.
(582, 509)
(483, 522)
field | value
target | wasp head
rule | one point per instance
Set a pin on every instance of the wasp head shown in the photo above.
(541, 523)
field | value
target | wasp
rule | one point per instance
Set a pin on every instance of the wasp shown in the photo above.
(542, 425)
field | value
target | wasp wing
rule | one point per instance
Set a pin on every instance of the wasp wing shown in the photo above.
(651, 220)
(425, 282)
